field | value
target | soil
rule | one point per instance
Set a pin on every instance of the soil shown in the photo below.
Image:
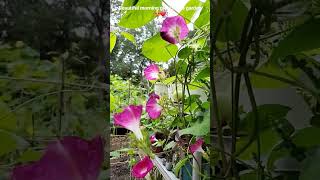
(120, 169)
(119, 142)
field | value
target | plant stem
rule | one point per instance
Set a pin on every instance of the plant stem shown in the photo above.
(214, 109)
(256, 123)
(288, 81)
(244, 46)
(105, 86)
(61, 97)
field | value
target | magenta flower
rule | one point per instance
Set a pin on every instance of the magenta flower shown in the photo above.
(142, 168)
(153, 138)
(129, 118)
(197, 146)
(152, 72)
(152, 107)
(71, 158)
(174, 29)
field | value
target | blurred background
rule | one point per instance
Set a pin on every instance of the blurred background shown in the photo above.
(53, 75)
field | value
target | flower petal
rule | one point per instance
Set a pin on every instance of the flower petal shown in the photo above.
(174, 29)
(71, 158)
(142, 168)
(197, 146)
(152, 107)
(129, 118)
(152, 72)
(153, 138)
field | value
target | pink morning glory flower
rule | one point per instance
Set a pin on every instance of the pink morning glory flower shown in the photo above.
(142, 168)
(197, 146)
(153, 138)
(71, 158)
(152, 107)
(152, 72)
(129, 118)
(174, 29)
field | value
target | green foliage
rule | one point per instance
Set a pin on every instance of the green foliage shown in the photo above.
(187, 13)
(8, 143)
(158, 49)
(200, 128)
(179, 165)
(302, 38)
(233, 25)
(265, 82)
(124, 92)
(129, 36)
(136, 19)
(248, 33)
(204, 16)
(29, 156)
(311, 165)
(302, 139)
(269, 115)
(29, 104)
(113, 40)
(8, 120)
(269, 139)
(170, 145)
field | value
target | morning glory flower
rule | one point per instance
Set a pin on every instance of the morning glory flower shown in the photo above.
(71, 158)
(129, 118)
(152, 72)
(174, 29)
(152, 107)
(142, 168)
(197, 146)
(153, 138)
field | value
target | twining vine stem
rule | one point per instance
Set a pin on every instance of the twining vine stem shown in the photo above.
(214, 109)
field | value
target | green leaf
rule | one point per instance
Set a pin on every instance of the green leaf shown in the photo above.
(158, 50)
(169, 80)
(269, 139)
(200, 128)
(113, 40)
(235, 22)
(170, 145)
(29, 156)
(185, 53)
(129, 36)
(187, 12)
(137, 18)
(203, 74)
(78, 102)
(112, 103)
(204, 17)
(115, 154)
(181, 67)
(8, 120)
(304, 37)
(8, 143)
(128, 3)
(310, 169)
(304, 138)
(179, 165)
(276, 153)
(259, 81)
(269, 114)
(315, 120)
(249, 176)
